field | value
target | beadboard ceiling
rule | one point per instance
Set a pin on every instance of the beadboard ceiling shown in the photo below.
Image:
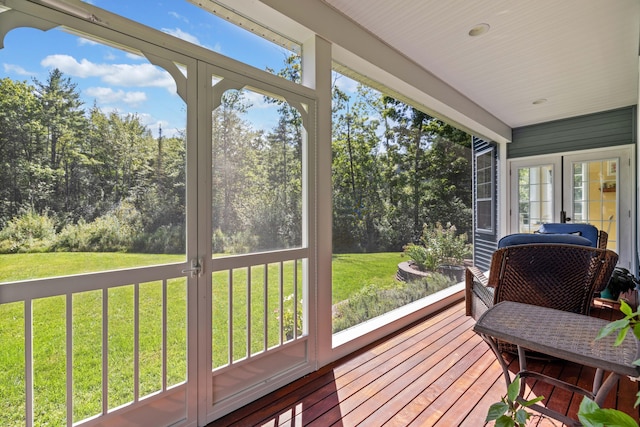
(580, 56)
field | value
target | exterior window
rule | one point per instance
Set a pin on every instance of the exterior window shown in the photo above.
(484, 191)
(402, 197)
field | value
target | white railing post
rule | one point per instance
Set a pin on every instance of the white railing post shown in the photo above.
(69, 357)
(105, 351)
(28, 361)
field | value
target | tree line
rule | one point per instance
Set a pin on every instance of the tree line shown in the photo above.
(80, 179)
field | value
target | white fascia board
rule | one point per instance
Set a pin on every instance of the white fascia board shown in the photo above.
(357, 49)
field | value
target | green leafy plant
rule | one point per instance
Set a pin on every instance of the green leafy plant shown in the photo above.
(449, 247)
(422, 258)
(510, 412)
(622, 280)
(440, 245)
(590, 414)
(288, 317)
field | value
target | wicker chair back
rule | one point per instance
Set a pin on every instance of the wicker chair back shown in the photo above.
(563, 277)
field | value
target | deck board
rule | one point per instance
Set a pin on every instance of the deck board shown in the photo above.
(436, 372)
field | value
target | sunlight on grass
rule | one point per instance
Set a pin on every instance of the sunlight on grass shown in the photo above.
(12, 394)
(50, 331)
(352, 272)
(222, 297)
(49, 361)
(87, 362)
(39, 265)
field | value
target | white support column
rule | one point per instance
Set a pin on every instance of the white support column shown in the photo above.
(316, 73)
(503, 191)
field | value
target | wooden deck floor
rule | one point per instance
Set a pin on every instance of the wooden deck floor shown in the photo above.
(435, 373)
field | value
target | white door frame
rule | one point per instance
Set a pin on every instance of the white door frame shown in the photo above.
(625, 194)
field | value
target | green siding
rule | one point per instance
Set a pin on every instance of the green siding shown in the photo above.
(599, 130)
(484, 244)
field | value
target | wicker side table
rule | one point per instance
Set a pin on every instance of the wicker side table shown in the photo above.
(563, 335)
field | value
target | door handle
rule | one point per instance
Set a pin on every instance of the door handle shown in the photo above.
(196, 268)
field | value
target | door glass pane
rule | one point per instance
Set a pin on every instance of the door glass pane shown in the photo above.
(257, 204)
(92, 179)
(256, 174)
(594, 192)
(535, 197)
(93, 174)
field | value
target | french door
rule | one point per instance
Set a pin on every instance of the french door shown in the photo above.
(191, 330)
(581, 187)
(258, 306)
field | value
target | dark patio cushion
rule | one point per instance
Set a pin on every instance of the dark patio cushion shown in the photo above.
(585, 230)
(528, 238)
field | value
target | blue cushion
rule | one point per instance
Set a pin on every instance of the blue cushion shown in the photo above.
(585, 230)
(527, 238)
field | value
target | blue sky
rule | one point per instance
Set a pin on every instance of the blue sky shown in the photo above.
(116, 80)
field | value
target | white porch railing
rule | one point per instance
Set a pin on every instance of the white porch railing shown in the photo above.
(85, 346)
(257, 304)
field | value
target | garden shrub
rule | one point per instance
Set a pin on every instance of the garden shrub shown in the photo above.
(242, 242)
(440, 245)
(29, 232)
(113, 232)
(166, 239)
(422, 257)
(448, 246)
(287, 318)
(218, 241)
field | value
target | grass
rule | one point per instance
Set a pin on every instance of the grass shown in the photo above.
(39, 265)
(351, 272)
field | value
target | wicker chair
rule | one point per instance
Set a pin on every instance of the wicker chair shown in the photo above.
(560, 276)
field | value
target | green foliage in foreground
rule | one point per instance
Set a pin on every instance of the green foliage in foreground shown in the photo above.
(590, 414)
(355, 276)
(510, 412)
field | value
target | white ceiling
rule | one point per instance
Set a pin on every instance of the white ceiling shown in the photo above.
(579, 55)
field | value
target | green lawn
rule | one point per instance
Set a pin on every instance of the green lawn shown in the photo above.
(39, 265)
(350, 273)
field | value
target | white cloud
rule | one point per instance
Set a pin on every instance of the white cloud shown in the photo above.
(256, 100)
(126, 75)
(217, 48)
(182, 35)
(344, 83)
(135, 56)
(83, 41)
(179, 16)
(106, 95)
(134, 98)
(153, 124)
(16, 69)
